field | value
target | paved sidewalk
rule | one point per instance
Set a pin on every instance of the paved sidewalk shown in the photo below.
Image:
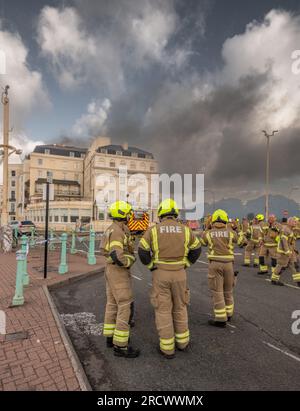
(39, 362)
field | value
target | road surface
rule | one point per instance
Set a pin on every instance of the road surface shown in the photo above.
(258, 351)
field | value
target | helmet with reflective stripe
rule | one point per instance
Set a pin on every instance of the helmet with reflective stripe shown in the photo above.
(120, 210)
(220, 216)
(167, 207)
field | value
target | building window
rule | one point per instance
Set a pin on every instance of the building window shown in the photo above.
(103, 150)
(72, 154)
(13, 183)
(134, 154)
(112, 164)
(82, 155)
(47, 151)
(56, 218)
(13, 195)
(13, 173)
(119, 153)
(40, 161)
(50, 219)
(12, 207)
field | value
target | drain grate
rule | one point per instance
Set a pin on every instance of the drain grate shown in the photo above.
(20, 335)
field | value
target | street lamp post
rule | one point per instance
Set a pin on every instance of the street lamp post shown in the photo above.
(268, 170)
(5, 102)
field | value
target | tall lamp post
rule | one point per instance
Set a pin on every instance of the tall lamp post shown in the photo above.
(6, 151)
(268, 170)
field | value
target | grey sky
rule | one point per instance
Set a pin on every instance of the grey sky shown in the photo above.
(194, 81)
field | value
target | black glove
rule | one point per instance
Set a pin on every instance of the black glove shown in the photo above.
(236, 273)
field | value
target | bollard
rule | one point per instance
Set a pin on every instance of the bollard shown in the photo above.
(24, 242)
(32, 243)
(73, 243)
(63, 267)
(19, 297)
(51, 241)
(91, 253)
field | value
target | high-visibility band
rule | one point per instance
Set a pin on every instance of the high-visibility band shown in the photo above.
(221, 257)
(270, 244)
(150, 265)
(154, 242)
(108, 330)
(202, 241)
(221, 310)
(116, 244)
(263, 268)
(170, 262)
(211, 245)
(221, 315)
(275, 277)
(195, 244)
(167, 344)
(246, 261)
(182, 335)
(230, 245)
(120, 339)
(296, 277)
(187, 235)
(122, 333)
(229, 307)
(256, 260)
(145, 244)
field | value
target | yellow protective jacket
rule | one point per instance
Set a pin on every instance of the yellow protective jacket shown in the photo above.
(117, 245)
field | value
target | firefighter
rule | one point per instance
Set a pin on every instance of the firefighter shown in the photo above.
(221, 277)
(254, 237)
(245, 225)
(117, 246)
(168, 248)
(268, 248)
(287, 254)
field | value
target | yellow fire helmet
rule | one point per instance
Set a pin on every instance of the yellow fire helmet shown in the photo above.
(168, 207)
(220, 216)
(120, 210)
(260, 217)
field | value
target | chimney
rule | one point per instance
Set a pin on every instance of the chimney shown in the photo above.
(125, 146)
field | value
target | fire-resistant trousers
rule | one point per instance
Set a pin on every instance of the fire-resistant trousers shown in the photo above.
(221, 283)
(119, 298)
(170, 297)
(286, 262)
(265, 252)
(252, 246)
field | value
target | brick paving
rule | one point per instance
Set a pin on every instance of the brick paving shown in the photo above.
(41, 361)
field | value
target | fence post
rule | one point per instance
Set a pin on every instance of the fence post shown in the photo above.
(32, 237)
(73, 243)
(51, 241)
(63, 267)
(91, 253)
(24, 242)
(19, 297)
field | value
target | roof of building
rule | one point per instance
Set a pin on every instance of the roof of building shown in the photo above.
(60, 150)
(55, 181)
(113, 148)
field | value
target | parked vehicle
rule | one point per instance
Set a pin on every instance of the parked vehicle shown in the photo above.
(26, 227)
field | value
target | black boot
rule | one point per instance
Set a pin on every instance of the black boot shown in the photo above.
(255, 265)
(262, 272)
(277, 283)
(246, 265)
(228, 319)
(109, 342)
(127, 352)
(220, 324)
(167, 356)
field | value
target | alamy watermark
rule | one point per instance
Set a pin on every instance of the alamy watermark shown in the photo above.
(147, 190)
(2, 322)
(296, 323)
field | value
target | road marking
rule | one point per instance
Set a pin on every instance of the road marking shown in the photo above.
(283, 352)
(238, 254)
(203, 262)
(150, 284)
(287, 285)
(230, 325)
(138, 278)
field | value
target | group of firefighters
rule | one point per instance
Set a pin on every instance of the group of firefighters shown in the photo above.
(167, 249)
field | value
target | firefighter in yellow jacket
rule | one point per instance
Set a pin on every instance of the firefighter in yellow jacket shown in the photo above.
(220, 240)
(167, 249)
(254, 237)
(287, 253)
(270, 232)
(117, 246)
